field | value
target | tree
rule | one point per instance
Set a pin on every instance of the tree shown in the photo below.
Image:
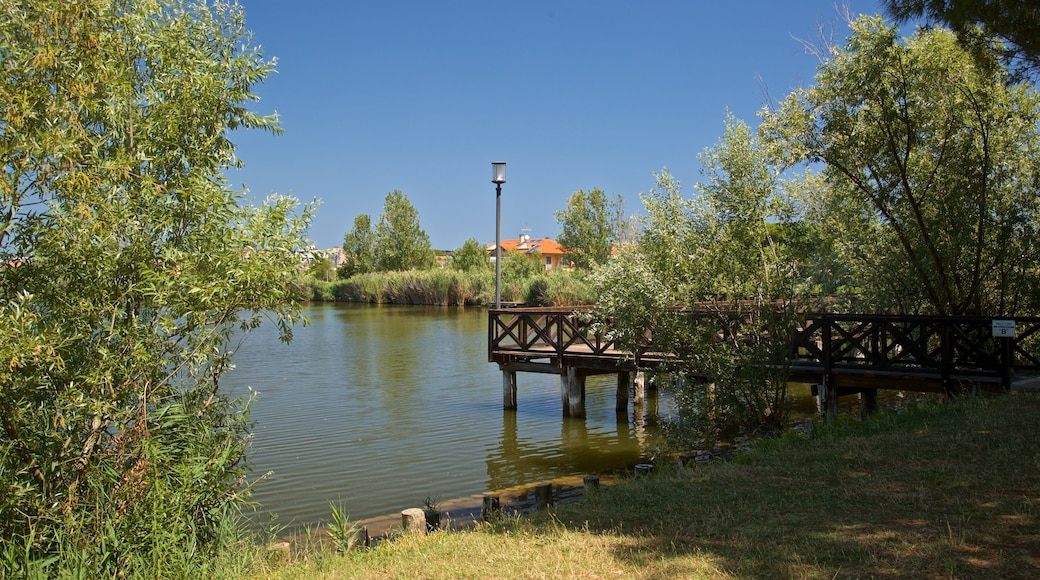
(401, 244)
(359, 248)
(1010, 28)
(321, 268)
(128, 270)
(472, 256)
(932, 162)
(717, 255)
(592, 226)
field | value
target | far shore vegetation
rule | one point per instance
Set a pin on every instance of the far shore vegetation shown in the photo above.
(904, 180)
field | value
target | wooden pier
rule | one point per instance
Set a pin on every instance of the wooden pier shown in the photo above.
(840, 354)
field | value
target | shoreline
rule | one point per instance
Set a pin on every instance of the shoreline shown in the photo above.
(457, 514)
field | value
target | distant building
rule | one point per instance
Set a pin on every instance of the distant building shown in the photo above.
(552, 254)
(337, 255)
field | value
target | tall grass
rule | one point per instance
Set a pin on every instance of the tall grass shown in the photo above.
(163, 500)
(438, 287)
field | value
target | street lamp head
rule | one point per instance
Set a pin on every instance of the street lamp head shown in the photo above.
(498, 172)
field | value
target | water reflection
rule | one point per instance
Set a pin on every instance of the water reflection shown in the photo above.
(378, 407)
(605, 441)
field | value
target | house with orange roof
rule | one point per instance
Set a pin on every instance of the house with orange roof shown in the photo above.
(552, 253)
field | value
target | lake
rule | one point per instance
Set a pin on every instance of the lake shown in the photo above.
(377, 407)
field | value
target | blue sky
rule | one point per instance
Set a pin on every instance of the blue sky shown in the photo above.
(422, 96)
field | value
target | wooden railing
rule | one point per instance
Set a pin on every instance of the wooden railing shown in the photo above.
(948, 346)
(941, 347)
(534, 331)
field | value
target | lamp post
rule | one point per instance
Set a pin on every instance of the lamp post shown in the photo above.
(498, 177)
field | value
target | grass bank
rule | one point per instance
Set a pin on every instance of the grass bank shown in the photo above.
(941, 491)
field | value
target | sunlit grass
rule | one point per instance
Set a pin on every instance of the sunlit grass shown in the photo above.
(943, 491)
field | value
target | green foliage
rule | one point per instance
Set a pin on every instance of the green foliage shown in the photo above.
(735, 372)
(320, 290)
(668, 239)
(471, 256)
(592, 225)
(518, 267)
(127, 266)
(931, 163)
(631, 301)
(400, 243)
(321, 268)
(359, 248)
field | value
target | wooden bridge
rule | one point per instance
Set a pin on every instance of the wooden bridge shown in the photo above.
(839, 354)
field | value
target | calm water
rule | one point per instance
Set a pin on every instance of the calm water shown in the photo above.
(377, 408)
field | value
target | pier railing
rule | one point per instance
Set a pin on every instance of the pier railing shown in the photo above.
(544, 331)
(942, 347)
(937, 348)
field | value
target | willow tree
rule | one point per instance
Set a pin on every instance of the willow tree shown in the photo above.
(932, 162)
(712, 284)
(128, 266)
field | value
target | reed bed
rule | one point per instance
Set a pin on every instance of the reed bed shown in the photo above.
(448, 287)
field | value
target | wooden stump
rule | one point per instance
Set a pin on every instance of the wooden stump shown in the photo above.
(591, 482)
(413, 521)
(643, 469)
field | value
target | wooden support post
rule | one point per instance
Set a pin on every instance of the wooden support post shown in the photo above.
(542, 496)
(1007, 361)
(868, 403)
(640, 388)
(565, 390)
(491, 510)
(624, 379)
(413, 521)
(572, 390)
(826, 398)
(591, 482)
(508, 389)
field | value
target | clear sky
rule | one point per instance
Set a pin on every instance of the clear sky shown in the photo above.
(422, 96)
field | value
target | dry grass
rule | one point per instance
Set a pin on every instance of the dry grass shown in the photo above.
(950, 491)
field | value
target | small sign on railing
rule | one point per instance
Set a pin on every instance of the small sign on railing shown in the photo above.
(1003, 329)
